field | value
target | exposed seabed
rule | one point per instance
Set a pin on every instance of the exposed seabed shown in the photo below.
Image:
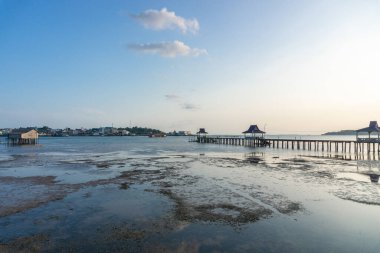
(206, 202)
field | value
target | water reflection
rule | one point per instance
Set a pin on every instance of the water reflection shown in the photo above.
(368, 156)
(371, 156)
(254, 157)
(374, 178)
(367, 166)
(371, 168)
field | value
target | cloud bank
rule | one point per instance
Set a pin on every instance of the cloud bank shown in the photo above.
(168, 49)
(164, 19)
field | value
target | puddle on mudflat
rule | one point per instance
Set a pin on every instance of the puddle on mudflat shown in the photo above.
(353, 176)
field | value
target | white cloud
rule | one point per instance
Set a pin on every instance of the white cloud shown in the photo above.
(181, 103)
(172, 97)
(168, 49)
(189, 106)
(164, 19)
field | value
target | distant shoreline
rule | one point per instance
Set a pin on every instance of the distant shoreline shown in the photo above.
(341, 132)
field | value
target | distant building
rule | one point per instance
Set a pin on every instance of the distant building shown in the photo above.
(108, 131)
(68, 131)
(179, 133)
(59, 133)
(6, 131)
(79, 132)
(184, 133)
(123, 132)
(95, 133)
(21, 137)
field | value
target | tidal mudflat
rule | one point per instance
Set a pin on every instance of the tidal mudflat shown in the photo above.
(167, 195)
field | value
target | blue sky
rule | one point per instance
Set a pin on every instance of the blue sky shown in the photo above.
(293, 66)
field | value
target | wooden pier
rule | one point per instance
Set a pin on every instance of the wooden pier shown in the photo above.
(358, 146)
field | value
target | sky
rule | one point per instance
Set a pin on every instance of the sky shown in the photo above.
(292, 67)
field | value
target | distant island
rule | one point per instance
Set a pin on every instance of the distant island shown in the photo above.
(46, 131)
(101, 131)
(342, 132)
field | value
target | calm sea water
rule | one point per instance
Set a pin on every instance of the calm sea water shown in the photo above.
(318, 202)
(138, 145)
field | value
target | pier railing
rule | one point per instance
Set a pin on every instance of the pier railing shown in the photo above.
(357, 146)
(372, 140)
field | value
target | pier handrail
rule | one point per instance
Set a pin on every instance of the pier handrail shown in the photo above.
(372, 140)
(329, 145)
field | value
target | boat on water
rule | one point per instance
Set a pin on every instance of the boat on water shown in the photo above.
(160, 135)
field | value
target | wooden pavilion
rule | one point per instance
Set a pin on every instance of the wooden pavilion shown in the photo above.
(253, 130)
(373, 127)
(202, 132)
(23, 137)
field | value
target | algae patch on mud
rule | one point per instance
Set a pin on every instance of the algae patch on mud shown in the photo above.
(19, 194)
(28, 244)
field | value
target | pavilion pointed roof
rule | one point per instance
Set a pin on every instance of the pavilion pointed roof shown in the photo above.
(202, 131)
(253, 129)
(373, 127)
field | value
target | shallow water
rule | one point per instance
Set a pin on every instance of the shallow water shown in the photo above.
(128, 194)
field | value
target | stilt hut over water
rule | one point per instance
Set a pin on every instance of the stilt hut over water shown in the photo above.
(23, 137)
(202, 132)
(373, 127)
(253, 130)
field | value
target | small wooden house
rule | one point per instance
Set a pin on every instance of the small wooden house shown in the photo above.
(22, 137)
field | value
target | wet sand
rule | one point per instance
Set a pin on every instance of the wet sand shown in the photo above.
(213, 202)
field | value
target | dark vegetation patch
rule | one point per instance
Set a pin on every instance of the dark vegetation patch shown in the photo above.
(124, 186)
(296, 160)
(322, 174)
(19, 194)
(225, 213)
(157, 158)
(103, 165)
(29, 244)
(124, 233)
(279, 202)
(229, 213)
(188, 246)
(330, 157)
(253, 160)
(47, 180)
(292, 166)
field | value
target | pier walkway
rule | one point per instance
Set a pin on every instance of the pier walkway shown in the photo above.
(344, 146)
